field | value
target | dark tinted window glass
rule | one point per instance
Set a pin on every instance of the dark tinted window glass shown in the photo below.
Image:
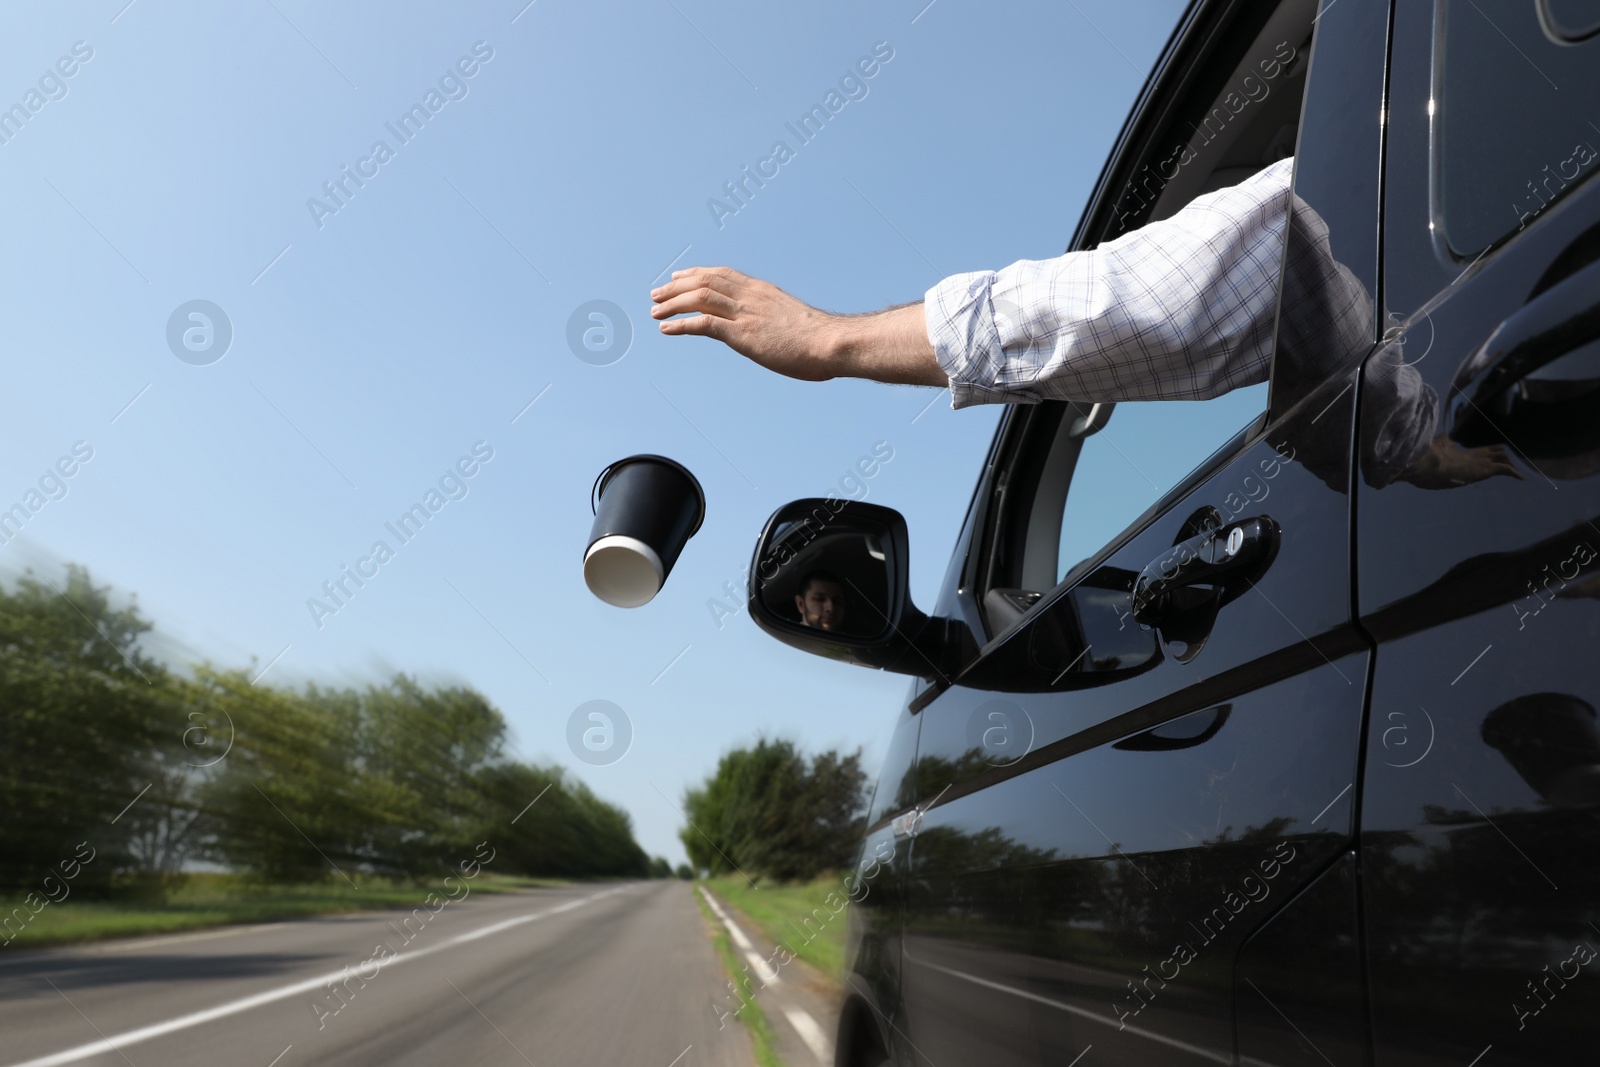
(1517, 113)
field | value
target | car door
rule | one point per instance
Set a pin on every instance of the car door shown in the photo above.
(1479, 544)
(1137, 810)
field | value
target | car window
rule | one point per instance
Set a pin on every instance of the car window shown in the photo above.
(1144, 449)
(1073, 478)
(1082, 474)
(1516, 109)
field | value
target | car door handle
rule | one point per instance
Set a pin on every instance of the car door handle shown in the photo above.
(1560, 320)
(1210, 558)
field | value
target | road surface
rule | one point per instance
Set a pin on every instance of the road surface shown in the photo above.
(580, 975)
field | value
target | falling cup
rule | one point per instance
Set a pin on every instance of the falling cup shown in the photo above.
(645, 510)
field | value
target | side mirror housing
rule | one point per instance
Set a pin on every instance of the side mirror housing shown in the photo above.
(830, 577)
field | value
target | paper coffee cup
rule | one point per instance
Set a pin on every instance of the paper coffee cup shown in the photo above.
(645, 510)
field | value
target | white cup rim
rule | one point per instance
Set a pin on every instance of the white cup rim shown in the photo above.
(612, 570)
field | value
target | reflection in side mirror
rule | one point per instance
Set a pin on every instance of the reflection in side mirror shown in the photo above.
(835, 580)
(830, 577)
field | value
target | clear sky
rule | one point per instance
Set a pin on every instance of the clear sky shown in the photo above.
(376, 338)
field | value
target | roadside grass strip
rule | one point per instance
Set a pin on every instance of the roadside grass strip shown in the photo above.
(754, 1019)
(210, 901)
(787, 915)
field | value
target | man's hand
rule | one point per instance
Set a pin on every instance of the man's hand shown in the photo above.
(768, 326)
(1446, 465)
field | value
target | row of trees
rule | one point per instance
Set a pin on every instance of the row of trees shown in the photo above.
(397, 779)
(661, 867)
(768, 810)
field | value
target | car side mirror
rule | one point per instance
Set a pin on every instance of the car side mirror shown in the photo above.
(830, 577)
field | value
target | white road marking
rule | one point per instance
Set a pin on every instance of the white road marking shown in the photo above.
(234, 1007)
(762, 968)
(765, 971)
(810, 1033)
(1082, 1013)
(733, 930)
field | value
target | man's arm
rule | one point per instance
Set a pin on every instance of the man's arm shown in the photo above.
(1181, 309)
(767, 325)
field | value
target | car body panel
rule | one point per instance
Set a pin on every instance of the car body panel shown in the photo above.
(1480, 821)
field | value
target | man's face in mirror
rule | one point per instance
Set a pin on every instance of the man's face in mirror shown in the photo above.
(821, 602)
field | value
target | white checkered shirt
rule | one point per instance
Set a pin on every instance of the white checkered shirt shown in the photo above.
(1181, 309)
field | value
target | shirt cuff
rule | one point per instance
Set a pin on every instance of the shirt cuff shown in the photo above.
(959, 317)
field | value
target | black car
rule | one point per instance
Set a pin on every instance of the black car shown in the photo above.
(1300, 765)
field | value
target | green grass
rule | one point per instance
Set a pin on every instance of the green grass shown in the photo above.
(754, 1019)
(781, 912)
(204, 900)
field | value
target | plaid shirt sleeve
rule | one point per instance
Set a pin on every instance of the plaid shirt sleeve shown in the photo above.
(1181, 309)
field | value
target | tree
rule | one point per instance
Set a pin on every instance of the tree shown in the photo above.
(293, 802)
(82, 712)
(153, 770)
(399, 779)
(766, 809)
(566, 832)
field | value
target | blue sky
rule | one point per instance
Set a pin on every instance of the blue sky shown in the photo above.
(373, 346)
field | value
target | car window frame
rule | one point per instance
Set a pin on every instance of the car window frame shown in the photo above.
(1283, 404)
(1227, 452)
(1145, 135)
(1172, 80)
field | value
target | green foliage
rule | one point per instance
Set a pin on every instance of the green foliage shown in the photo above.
(81, 715)
(747, 1011)
(569, 833)
(396, 780)
(767, 810)
(807, 918)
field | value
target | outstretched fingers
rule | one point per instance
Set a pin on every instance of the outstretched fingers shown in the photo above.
(724, 280)
(704, 299)
(1499, 461)
(697, 325)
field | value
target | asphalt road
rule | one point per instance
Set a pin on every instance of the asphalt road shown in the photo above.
(584, 975)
